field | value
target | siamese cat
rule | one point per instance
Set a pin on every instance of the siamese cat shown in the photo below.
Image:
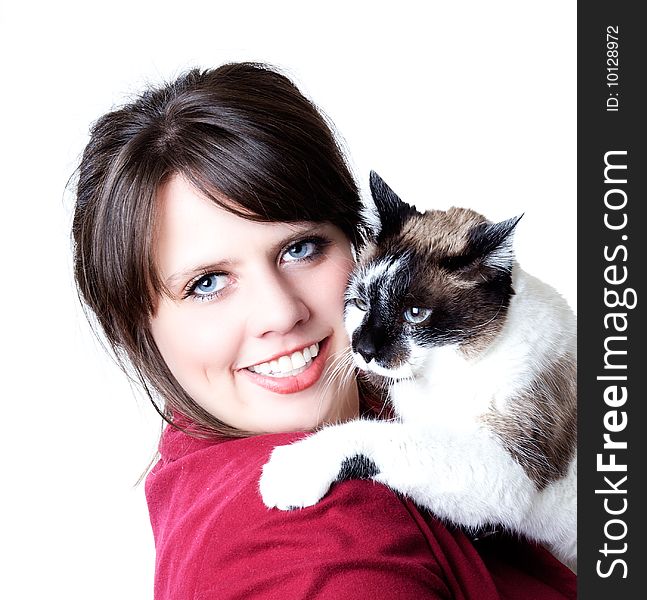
(479, 360)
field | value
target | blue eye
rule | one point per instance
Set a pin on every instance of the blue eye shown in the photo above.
(208, 285)
(300, 251)
(416, 315)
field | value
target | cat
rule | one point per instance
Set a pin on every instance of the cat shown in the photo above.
(479, 360)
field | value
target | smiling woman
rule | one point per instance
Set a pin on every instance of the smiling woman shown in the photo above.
(173, 189)
(246, 362)
(214, 231)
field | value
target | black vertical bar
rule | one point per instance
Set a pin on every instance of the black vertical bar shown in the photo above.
(612, 295)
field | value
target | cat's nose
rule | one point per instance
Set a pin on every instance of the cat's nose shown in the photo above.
(366, 347)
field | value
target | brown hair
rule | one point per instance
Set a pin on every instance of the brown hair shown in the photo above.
(242, 132)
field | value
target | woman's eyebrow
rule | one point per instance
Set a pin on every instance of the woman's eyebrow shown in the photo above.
(300, 231)
(307, 229)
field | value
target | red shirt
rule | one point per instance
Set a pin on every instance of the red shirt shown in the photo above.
(215, 538)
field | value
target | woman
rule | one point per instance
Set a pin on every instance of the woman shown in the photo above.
(214, 233)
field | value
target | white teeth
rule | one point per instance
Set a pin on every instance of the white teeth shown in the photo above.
(263, 368)
(287, 364)
(298, 360)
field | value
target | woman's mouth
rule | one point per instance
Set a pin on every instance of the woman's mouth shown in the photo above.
(291, 372)
(288, 365)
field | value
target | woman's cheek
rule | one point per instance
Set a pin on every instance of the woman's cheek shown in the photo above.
(339, 275)
(188, 338)
(210, 336)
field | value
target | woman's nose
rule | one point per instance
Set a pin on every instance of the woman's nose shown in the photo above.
(276, 305)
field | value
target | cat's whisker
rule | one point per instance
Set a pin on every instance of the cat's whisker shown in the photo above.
(345, 374)
(341, 376)
(338, 373)
(330, 375)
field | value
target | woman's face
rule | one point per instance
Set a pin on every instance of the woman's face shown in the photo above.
(254, 322)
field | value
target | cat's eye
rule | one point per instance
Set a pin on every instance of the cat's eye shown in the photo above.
(416, 314)
(361, 304)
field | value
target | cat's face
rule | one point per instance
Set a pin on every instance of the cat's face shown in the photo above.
(440, 278)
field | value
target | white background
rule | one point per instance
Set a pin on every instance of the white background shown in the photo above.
(466, 103)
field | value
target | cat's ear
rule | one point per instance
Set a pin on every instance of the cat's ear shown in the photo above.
(391, 210)
(493, 243)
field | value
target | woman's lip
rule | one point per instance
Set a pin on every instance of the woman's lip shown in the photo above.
(285, 353)
(295, 383)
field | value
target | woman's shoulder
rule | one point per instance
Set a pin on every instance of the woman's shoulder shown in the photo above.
(215, 538)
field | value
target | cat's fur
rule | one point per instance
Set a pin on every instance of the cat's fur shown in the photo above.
(483, 390)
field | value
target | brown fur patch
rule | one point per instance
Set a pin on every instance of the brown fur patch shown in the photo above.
(443, 233)
(480, 341)
(539, 426)
(440, 234)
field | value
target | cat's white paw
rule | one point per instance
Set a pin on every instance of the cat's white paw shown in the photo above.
(296, 476)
